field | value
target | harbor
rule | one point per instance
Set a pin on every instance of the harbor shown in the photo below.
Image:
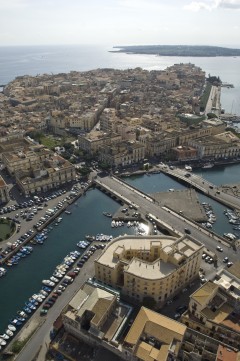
(71, 228)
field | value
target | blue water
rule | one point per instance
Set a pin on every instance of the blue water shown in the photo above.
(25, 278)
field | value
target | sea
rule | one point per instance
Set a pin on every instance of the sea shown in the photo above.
(87, 217)
(33, 60)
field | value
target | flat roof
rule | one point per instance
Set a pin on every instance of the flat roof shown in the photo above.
(176, 249)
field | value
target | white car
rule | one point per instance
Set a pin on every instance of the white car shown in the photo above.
(219, 249)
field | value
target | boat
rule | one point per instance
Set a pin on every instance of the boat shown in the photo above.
(5, 336)
(113, 224)
(2, 342)
(208, 166)
(9, 333)
(22, 314)
(12, 328)
(59, 219)
(107, 214)
(230, 236)
(68, 212)
(3, 271)
(48, 283)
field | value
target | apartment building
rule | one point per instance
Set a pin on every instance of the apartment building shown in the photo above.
(48, 173)
(96, 315)
(25, 159)
(122, 153)
(153, 336)
(151, 266)
(215, 312)
(223, 145)
(96, 139)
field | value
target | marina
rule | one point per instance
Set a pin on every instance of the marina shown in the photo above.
(72, 232)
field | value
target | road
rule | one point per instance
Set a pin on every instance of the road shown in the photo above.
(176, 222)
(40, 339)
(210, 189)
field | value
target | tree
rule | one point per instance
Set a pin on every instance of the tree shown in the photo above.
(149, 302)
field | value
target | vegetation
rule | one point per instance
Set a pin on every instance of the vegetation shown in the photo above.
(7, 227)
(179, 50)
(205, 96)
(214, 80)
(51, 141)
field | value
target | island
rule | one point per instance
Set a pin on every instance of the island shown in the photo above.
(178, 50)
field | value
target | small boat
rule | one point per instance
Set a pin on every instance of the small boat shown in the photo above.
(2, 342)
(59, 219)
(113, 224)
(12, 328)
(5, 336)
(3, 271)
(48, 283)
(208, 166)
(68, 212)
(22, 314)
(9, 333)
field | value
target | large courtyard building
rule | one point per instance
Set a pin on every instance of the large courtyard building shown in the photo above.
(155, 267)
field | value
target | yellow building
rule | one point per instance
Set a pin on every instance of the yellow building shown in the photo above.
(153, 337)
(151, 266)
(96, 315)
(94, 140)
(215, 312)
(51, 173)
(25, 159)
(123, 153)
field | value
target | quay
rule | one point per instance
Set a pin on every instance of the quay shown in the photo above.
(166, 219)
(202, 185)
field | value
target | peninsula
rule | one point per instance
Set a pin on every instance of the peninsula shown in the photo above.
(178, 50)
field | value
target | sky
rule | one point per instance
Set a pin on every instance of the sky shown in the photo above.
(120, 22)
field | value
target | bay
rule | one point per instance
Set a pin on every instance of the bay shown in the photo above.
(33, 60)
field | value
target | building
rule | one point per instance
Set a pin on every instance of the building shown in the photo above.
(45, 175)
(123, 153)
(97, 316)
(215, 312)
(183, 152)
(155, 267)
(223, 145)
(93, 141)
(153, 336)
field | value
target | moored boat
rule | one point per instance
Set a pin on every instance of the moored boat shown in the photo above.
(208, 166)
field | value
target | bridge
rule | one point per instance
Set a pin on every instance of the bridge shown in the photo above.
(165, 218)
(202, 185)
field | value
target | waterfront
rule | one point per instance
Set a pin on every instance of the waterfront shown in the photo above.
(25, 278)
(33, 60)
(86, 218)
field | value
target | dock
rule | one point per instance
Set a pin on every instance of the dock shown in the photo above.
(211, 190)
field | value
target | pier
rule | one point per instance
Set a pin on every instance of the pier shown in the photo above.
(202, 185)
(166, 219)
